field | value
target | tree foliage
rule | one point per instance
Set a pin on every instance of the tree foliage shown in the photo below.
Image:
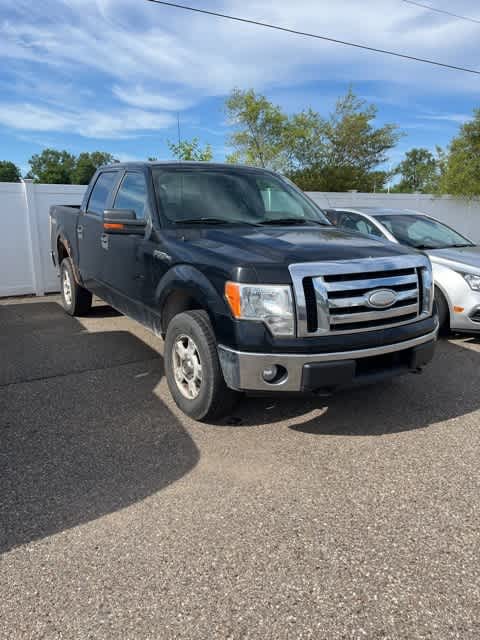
(9, 172)
(259, 136)
(337, 153)
(419, 172)
(190, 150)
(52, 167)
(61, 167)
(87, 163)
(461, 166)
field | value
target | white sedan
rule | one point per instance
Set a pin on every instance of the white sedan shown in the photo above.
(455, 259)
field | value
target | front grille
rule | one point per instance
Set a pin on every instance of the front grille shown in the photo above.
(333, 297)
(347, 299)
(476, 316)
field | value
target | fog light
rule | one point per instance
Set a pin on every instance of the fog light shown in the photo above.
(270, 373)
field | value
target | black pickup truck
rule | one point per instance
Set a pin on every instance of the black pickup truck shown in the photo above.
(243, 276)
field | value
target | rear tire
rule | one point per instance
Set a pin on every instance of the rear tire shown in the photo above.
(443, 312)
(193, 370)
(76, 300)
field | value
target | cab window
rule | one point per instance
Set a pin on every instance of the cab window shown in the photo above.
(101, 192)
(132, 194)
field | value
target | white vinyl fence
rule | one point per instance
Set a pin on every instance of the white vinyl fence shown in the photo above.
(25, 264)
(26, 268)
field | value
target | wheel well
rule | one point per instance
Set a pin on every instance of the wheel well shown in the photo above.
(61, 251)
(177, 302)
(444, 300)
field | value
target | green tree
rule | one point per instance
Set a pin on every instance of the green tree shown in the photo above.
(9, 172)
(341, 152)
(190, 150)
(306, 141)
(87, 163)
(353, 137)
(419, 172)
(52, 167)
(349, 148)
(259, 138)
(460, 168)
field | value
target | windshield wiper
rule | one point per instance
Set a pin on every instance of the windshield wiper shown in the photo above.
(459, 246)
(293, 221)
(208, 220)
(424, 247)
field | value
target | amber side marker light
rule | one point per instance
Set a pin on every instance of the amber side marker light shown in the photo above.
(113, 225)
(232, 294)
(459, 309)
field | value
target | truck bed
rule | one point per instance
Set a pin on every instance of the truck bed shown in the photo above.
(63, 222)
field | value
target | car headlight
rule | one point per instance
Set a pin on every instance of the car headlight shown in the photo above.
(270, 303)
(473, 281)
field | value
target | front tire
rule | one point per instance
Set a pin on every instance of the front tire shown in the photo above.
(193, 370)
(76, 300)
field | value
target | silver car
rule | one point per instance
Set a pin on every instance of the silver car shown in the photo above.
(455, 259)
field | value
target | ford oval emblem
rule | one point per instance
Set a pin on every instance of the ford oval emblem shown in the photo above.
(381, 298)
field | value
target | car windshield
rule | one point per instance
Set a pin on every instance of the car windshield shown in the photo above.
(422, 232)
(189, 195)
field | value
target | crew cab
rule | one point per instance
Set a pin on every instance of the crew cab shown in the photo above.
(251, 287)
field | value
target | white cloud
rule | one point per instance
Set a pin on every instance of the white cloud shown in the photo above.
(87, 122)
(157, 60)
(210, 54)
(138, 96)
(457, 118)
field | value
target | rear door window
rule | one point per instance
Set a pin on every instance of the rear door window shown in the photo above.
(101, 192)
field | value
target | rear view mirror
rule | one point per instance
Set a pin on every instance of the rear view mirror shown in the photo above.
(122, 221)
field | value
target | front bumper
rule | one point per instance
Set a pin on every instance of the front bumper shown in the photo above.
(467, 320)
(324, 371)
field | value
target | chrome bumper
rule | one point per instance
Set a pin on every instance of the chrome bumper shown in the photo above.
(244, 371)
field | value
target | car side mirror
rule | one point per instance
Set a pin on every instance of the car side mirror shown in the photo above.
(122, 221)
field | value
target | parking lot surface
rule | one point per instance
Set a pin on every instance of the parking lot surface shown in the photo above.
(352, 517)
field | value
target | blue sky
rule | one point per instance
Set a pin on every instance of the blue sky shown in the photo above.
(112, 75)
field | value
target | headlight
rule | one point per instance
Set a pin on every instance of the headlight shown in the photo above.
(473, 281)
(270, 303)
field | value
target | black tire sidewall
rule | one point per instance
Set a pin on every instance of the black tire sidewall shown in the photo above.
(443, 311)
(199, 407)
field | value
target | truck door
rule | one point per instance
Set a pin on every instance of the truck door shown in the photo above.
(123, 272)
(90, 230)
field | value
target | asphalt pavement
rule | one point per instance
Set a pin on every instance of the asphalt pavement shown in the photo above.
(353, 517)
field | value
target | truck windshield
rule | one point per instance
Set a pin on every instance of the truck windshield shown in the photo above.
(421, 232)
(187, 195)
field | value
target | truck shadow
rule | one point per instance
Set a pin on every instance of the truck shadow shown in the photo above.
(82, 432)
(448, 388)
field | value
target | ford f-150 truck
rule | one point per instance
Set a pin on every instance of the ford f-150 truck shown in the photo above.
(245, 279)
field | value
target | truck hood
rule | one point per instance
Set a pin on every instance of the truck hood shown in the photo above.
(458, 258)
(287, 245)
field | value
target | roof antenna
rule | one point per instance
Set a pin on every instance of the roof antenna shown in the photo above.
(178, 133)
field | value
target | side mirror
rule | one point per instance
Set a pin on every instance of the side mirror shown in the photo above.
(122, 221)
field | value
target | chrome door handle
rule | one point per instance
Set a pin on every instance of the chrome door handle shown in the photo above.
(104, 240)
(79, 231)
